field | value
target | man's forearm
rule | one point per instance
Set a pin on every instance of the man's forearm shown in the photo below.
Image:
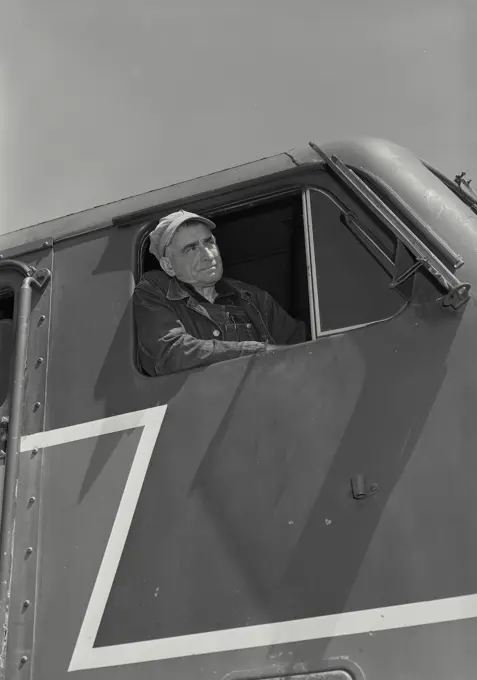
(179, 352)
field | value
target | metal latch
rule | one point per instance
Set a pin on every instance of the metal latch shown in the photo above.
(456, 297)
(361, 489)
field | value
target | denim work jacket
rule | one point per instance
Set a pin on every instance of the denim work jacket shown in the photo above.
(177, 329)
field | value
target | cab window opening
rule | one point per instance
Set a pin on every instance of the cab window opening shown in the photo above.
(339, 284)
(263, 245)
(262, 250)
(7, 300)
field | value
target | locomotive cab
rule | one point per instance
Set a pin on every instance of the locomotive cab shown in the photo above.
(292, 502)
(320, 247)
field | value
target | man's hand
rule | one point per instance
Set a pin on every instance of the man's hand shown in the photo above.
(271, 348)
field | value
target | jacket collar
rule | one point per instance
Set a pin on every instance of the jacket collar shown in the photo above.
(175, 291)
(178, 291)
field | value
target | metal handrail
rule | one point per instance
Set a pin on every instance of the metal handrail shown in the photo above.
(37, 279)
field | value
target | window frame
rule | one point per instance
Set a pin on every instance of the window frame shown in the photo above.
(295, 189)
(352, 223)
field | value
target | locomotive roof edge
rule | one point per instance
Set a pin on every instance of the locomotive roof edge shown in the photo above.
(395, 165)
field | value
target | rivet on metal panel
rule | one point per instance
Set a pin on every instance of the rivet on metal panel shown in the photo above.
(39, 361)
(1, 256)
(29, 551)
(36, 405)
(34, 452)
(31, 500)
(41, 319)
(46, 243)
(23, 660)
(26, 604)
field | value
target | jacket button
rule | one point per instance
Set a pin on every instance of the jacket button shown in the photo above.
(216, 333)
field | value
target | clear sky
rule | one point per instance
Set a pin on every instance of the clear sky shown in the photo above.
(103, 99)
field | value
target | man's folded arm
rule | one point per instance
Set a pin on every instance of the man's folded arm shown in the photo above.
(166, 347)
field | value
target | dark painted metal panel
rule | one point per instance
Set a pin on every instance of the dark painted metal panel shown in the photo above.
(436, 652)
(227, 497)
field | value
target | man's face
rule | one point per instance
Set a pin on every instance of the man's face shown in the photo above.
(193, 256)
